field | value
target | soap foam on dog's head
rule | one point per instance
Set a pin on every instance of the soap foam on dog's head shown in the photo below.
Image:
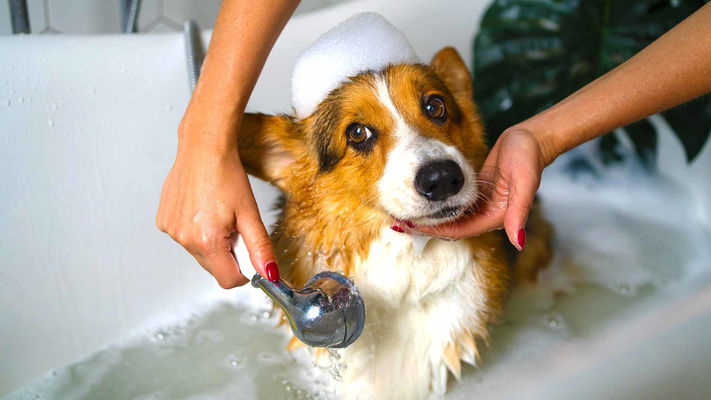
(361, 43)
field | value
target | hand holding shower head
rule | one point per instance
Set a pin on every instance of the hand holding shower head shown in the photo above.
(326, 312)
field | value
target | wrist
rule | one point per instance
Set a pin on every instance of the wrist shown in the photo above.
(548, 148)
(212, 117)
(211, 130)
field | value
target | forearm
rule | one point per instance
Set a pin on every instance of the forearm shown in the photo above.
(673, 69)
(244, 34)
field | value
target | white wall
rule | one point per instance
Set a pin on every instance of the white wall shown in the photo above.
(103, 16)
(87, 134)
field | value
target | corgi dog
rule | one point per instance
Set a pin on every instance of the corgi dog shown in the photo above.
(400, 145)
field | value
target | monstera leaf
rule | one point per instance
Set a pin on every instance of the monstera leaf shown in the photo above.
(530, 54)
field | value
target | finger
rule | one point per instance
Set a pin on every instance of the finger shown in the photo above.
(473, 225)
(218, 260)
(259, 246)
(223, 266)
(524, 185)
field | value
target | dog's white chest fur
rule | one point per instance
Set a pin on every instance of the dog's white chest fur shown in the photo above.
(415, 306)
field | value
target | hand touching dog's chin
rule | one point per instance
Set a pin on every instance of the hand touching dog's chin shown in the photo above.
(432, 216)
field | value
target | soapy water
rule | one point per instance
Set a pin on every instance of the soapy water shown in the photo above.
(622, 243)
(229, 350)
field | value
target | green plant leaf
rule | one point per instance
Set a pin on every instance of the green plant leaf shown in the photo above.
(643, 136)
(692, 124)
(530, 54)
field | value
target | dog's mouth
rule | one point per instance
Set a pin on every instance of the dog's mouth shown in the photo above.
(443, 215)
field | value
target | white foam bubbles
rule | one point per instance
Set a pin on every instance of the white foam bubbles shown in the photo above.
(365, 41)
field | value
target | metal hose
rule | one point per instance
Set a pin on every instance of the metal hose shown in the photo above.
(194, 52)
(129, 15)
(20, 18)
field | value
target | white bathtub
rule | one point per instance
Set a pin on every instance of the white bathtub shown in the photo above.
(87, 134)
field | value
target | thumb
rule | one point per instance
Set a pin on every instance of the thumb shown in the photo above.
(259, 246)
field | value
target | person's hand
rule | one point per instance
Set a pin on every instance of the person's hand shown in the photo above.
(206, 200)
(681, 67)
(509, 180)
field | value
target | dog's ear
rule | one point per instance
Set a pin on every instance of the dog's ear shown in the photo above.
(451, 69)
(268, 146)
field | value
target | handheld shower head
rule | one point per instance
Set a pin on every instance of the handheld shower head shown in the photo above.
(326, 312)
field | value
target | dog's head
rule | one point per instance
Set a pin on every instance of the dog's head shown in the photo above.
(405, 141)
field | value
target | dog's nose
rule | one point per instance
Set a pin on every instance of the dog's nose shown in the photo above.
(439, 180)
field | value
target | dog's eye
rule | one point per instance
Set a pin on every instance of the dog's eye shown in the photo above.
(434, 108)
(358, 133)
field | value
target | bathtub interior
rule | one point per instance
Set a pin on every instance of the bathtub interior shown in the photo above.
(88, 126)
(602, 323)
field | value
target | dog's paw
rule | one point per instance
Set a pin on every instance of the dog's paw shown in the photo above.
(462, 348)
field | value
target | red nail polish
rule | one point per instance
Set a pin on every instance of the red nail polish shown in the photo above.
(397, 228)
(272, 271)
(409, 224)
(521, 238)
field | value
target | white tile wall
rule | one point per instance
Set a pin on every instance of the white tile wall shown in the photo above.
(5, 26)
(39, 16)
(103, 16)
(203, 12)
(71, 16)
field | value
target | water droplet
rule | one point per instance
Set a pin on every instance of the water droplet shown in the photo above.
(266, 357)
(51, 123)
(554, 321)
(253, 318)
(161, 336)
(505, 104)
(266, 315)
(235, 361)
(333, 354)
(623, 290)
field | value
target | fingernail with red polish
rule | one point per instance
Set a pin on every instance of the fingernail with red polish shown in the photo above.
(521, 238)
(397, 228)
(272, 271)
(409, 224)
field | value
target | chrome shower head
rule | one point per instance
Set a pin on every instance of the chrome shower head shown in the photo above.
(326, 312)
